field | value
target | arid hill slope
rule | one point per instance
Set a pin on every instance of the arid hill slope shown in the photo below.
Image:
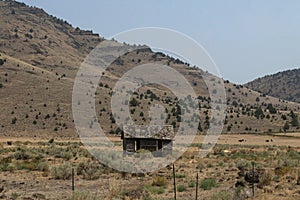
(284, 85)
(42, 54)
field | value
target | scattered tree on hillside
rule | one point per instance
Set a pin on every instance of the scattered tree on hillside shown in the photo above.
(2, 62)
(133, 102)
(259, 113)
(294, 121)
(271, 109)
(286, 126)
(14, 120)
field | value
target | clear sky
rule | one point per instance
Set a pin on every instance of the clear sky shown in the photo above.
(246, 38)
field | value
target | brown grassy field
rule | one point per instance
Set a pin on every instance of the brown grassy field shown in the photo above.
(41, 169)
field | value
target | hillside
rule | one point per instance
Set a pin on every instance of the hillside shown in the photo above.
(283, 85)
(42, 54)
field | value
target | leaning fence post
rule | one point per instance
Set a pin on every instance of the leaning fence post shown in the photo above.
(174, 178)
(197, 178)
(73, 185)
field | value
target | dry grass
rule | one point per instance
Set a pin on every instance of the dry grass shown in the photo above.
(281, 164)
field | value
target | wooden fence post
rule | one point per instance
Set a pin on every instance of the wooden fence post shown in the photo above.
(174, 178)
(253, 179)
(197, 179)
(73, 182)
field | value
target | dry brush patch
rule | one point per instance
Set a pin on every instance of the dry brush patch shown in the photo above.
(278, 169)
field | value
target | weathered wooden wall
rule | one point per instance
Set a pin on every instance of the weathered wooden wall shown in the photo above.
(158, 147)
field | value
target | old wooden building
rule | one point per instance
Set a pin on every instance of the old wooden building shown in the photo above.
(156, 139)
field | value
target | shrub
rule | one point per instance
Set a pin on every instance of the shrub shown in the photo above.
(14, 196)
(240, 193)
(144, 154)
(154, 189)
(90, 170)
(242, 164)
(51, 141)
(138, 193)
(210, 165)
(21, 154)
(62, 172)
(24, 166)
(276, 179)
(294, 154)
(4, 166)
(180, 176)
(191, 184)
(265, 180)
(181, 188)
(73, 149)
(222, 195)
(200, 166)
(84, 196)
(208, 184)
(28, 35)
(66, 155)
(43, 167)
(159, 181)
(281, 171)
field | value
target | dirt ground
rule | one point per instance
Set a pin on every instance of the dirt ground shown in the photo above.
(279, 139)
(221, 165)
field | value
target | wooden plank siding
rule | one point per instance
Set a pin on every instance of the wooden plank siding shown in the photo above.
(156, 139)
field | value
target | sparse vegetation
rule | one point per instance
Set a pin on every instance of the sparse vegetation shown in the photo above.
(159, 181)
(181, 188)
(90, 170)
(208, 183)
(61, 172)
(221, 195)
(154, 189)
(84, 196)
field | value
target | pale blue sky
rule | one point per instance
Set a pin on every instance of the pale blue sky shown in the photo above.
(246, 38)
